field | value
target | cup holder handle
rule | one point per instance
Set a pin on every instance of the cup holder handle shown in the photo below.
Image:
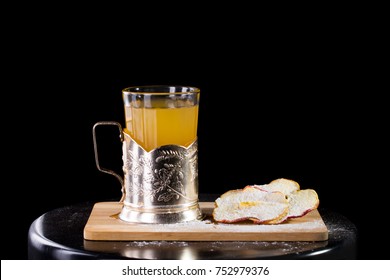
(108, 171)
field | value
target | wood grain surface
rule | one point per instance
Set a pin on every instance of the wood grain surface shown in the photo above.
(103, 224)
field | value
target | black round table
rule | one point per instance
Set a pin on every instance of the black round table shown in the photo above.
(58, 234)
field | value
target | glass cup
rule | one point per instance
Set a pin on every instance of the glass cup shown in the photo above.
(161, 115)
(160, 154)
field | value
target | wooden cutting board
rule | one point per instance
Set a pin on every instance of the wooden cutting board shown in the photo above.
(103, 224)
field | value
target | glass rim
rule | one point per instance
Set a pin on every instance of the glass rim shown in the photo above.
(160, 90)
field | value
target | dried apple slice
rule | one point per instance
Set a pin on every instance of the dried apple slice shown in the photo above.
(250, 203)
(300, 201)
(283, 185)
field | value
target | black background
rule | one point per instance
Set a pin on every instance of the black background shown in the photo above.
(296, 102)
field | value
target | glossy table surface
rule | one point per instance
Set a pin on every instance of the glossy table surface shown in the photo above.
(58, 234)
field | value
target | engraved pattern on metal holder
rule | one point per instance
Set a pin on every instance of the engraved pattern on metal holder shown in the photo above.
(160, 186)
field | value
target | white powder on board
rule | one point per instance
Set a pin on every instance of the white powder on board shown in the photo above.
(158, 243)
(294, 225)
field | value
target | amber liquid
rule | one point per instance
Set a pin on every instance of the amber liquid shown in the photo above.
(155, 127)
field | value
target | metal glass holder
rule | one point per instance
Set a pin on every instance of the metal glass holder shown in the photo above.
(159, 186)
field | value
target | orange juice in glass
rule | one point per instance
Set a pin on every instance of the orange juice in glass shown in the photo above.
(161, 115)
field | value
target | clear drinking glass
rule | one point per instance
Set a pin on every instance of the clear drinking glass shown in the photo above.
(161, 115)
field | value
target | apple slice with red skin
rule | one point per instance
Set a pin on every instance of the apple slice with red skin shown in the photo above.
(250, 203)
(272, 203)
(301, 201)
